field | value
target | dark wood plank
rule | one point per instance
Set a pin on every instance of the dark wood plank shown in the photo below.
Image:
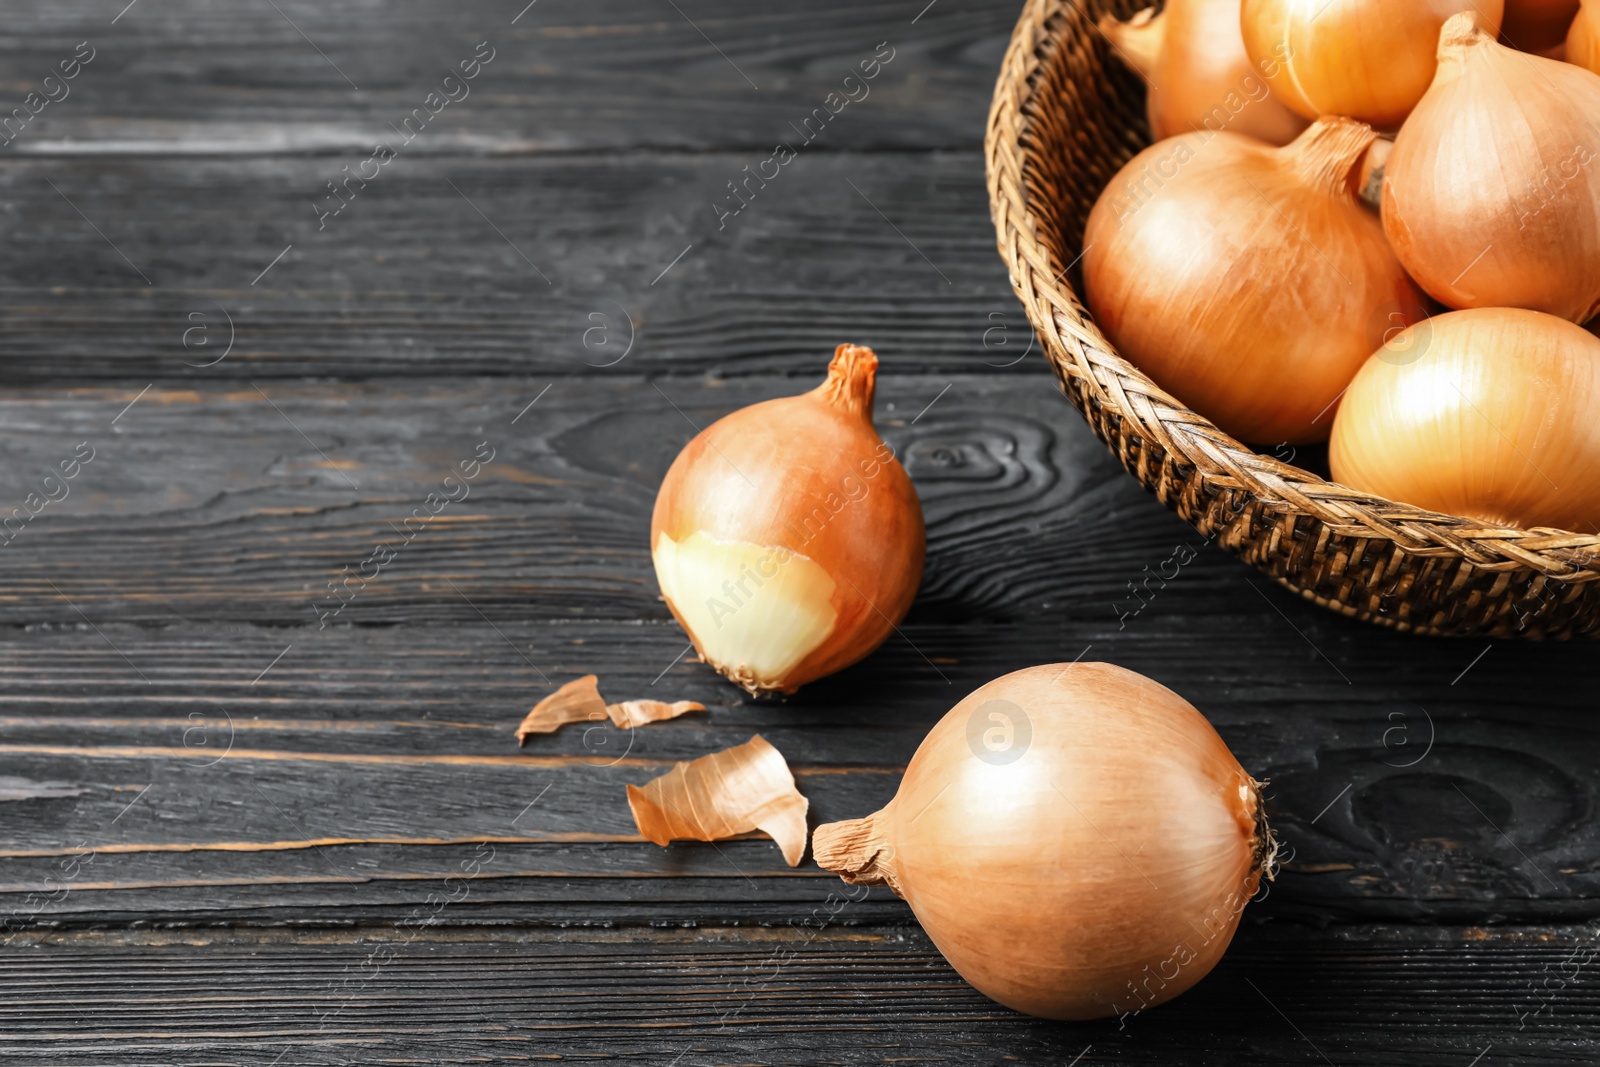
(410, 278)
(795, 994)
(368, 762)
(208, 77)
(208, 507)
(243, 502)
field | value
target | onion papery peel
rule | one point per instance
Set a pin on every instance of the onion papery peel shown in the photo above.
(579, 701)
(740, 789)
(631, 713)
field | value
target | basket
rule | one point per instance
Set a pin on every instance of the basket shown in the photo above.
(1065, 118)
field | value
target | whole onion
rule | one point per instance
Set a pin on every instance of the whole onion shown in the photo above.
(1491, 197)
(1490, 414)
(1248, 281)
(1075, 838)
(1369, 59)
(1192, 59)
(787, 538)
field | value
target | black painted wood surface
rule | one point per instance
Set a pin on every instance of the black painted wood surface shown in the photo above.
(228, 819)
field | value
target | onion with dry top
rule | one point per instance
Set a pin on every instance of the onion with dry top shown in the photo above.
(1193, 61)
(787, 538)
(1491, 197)
(1075, 838)
(1248, 281)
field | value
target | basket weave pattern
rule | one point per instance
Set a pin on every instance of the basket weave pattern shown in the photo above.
(1066, 116)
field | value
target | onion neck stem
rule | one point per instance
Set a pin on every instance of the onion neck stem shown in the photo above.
(1461, 32)
(852, 380)
(857, 851)
(1328, 155)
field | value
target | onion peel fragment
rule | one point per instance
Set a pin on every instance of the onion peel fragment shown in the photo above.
(740, 789)
(577, 701)
(631, 713)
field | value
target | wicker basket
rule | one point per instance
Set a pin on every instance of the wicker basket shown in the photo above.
(1065, 117)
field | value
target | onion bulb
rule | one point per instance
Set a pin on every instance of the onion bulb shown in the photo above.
(1369, 59)
(1537, 25)
(1491, 196)
(1583, 38)
(1488, 414)
(787, 539)
(1248, 281)
(1075, 838)
(1193, 60)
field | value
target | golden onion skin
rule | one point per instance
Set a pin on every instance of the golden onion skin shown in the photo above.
(1198, 76)
(1491, 196)
(1074, 837)
(1248, 281)
(1583, 37)
(790, 508)
(1368, 59)
(1489, 414)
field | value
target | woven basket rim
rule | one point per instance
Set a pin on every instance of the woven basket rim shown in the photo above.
(1055, 311)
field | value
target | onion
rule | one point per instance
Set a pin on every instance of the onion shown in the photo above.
(1491, 198)
(787, 538)
(1075, 838)
(1583, 38)
(1193, 60)
(1247, 280)
(1488, 414)
(1537, 25)
(1369, 59)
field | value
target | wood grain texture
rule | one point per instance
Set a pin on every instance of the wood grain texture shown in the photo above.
(207, 77)
(575, 265)
(215, 816)
(790, 995)
(243, 501)
(369, 762)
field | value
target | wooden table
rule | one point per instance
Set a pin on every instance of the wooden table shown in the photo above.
(239, 828)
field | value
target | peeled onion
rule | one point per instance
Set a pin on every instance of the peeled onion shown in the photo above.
(1192, 58)
(1583, 38)
(1368, 59)
(1491, 197)
(1075, 838)
(1247, 280)
(1537, 25)
(1488, 414)
(787, 538)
